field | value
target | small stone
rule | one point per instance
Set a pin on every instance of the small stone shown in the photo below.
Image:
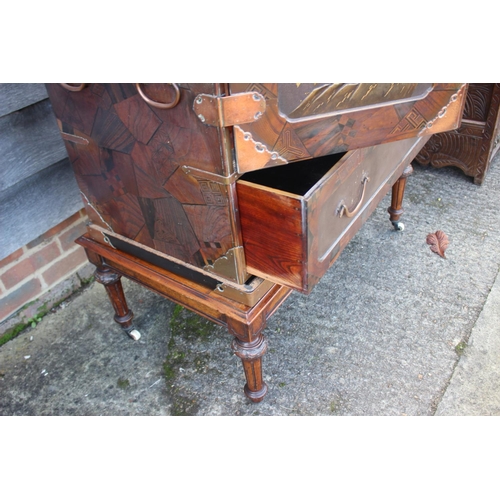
(27, 357)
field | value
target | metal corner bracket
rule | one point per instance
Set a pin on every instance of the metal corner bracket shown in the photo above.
(231, 265)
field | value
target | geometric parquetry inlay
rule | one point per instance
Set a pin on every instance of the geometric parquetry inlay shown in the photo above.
(412, 121)
(127, 168)
(290, 146)
(115, 184)
(212, 193)
(346, 128)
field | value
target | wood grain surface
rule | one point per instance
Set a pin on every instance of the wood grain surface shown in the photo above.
(128, 158)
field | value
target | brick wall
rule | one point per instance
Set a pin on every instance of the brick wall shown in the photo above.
(45, 271)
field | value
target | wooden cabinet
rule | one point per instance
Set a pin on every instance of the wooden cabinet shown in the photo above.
(473, 145)
(224, 197)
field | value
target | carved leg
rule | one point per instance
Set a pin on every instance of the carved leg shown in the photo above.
(398, 191)
(112, 283)
(251, 354)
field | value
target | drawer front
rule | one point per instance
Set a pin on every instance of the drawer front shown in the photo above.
(342, 198)
(302, 121)
(293, 239)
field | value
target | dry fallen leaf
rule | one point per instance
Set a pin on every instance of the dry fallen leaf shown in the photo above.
(439, 242)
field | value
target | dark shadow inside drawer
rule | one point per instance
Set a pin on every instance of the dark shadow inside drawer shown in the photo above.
(297, 178)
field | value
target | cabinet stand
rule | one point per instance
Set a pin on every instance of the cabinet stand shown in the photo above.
(245, 323)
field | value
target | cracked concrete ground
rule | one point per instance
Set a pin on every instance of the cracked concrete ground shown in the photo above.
(391, 329)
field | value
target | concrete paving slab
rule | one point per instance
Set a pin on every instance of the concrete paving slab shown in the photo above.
(474, 389)
(377, 336)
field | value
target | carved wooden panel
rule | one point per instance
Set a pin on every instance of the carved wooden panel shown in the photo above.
(472, 146)
(477, 101)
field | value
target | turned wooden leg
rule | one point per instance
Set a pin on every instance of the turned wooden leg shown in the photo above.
(251, 354)
(398, 191)
(113, 285)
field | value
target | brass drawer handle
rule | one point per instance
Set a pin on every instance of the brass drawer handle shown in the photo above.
(161, 105)
(343, 210)
(73, 88)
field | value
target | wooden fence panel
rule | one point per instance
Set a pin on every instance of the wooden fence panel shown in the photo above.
(14, 96)
(36, 204)
(29, 142)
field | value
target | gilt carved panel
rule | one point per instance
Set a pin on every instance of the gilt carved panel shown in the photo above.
(304, 121)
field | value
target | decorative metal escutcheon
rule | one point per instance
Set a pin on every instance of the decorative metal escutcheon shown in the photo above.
(343, 210)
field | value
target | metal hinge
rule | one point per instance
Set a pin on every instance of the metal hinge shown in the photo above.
(245, 107)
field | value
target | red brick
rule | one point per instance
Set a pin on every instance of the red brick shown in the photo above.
(18, 298)
(11, 258)
(64, 266)
(68, 238)
(17, 273)
(45, 255)
(55, 230)
(30, 264)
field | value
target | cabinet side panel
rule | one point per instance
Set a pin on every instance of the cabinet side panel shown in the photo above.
(128, 157)
(272, 233)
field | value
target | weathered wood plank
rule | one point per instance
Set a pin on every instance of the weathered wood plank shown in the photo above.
(36, 204)
(29, 142)
(14, 96)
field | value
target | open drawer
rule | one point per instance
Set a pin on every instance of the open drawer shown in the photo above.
(296, 219)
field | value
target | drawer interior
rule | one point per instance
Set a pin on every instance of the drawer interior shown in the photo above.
(297, 178)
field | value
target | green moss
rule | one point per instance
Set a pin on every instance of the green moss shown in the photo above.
(12, 332)
(187, 332)
(173, 362)
(168, 370)
(176, 313)
(17, 329)
(27, 305)
(190, 325)
(43, 309)
(86, 281)
(123, 383)
(200, 362)
(460, 348)
(183, 407)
